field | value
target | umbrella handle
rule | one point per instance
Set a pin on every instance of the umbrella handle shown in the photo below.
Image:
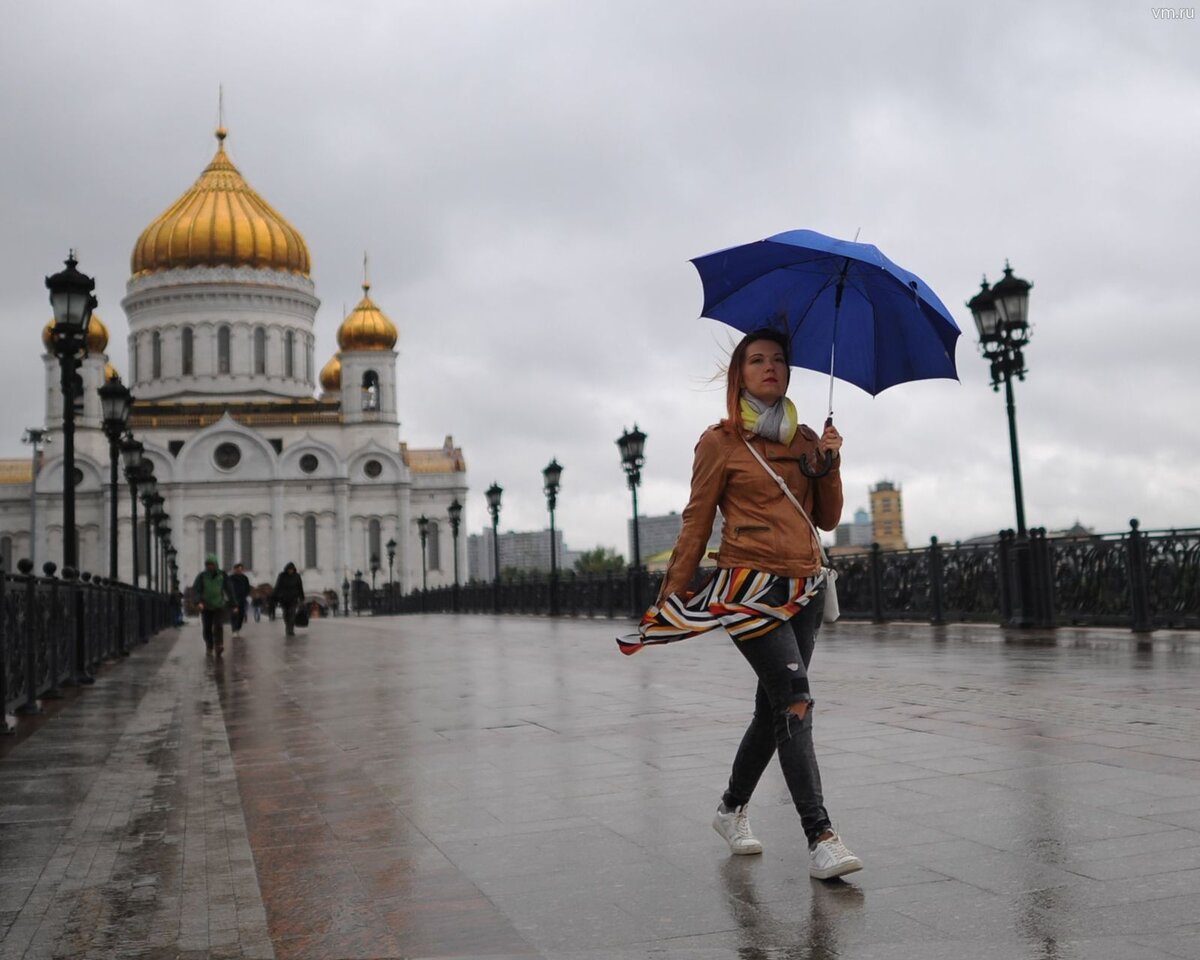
(815, 473)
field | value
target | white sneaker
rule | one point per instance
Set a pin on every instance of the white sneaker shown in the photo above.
(830, 858)
(734, 826)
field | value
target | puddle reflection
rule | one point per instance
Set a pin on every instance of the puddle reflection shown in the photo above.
(777, 930)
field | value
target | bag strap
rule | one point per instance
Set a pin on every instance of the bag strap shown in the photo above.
(792, 497)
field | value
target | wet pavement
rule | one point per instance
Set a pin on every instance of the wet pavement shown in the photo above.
(449, 787)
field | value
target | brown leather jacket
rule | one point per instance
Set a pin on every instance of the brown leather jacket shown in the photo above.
(763, 530)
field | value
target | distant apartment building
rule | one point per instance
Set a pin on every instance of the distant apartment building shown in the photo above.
(887, 516)
(855, 535)
(526, 551)
(658, 534)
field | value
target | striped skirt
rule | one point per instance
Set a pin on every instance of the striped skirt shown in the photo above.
(734, 599)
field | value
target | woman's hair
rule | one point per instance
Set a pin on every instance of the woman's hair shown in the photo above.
(733, 374)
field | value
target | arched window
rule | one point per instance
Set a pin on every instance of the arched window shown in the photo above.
(260, 349)
(6, 554)
(289, 354)
(223, 350)
(370, 390)
(310, 542)
(187, 352)
(374, 541)
(247, 552)
(210, 539)
(228, 547)
(156, 354)
(433, 547)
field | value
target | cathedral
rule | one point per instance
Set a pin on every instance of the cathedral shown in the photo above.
(259, 461)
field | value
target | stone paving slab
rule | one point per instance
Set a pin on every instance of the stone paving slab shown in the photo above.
(448, 787)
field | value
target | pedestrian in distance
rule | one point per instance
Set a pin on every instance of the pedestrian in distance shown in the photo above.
(239, 586)
(213, 598)
(256, 607)
(769, 588)
(289, 594)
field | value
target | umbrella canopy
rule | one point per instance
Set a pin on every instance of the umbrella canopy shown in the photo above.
(846, 308)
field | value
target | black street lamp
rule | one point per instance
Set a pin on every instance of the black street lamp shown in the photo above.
(391, 552)
(550, 477)
(631, 445)
(345, 596)
(131, 453)
(1001, 315)
(374, 569)
(147, 491)
(115, 401)
(455, 511)
(73, 303)
(423, 530)
(493, 501)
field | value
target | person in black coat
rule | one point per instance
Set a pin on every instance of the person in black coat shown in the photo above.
(289, 594)
(239, 586)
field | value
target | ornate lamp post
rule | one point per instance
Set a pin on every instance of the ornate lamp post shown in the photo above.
(345, 596)
(131, 453)
(1001, 316)
(73, 303)
(423, 530)
(493, 494)
(455, 511)
(391, 552)
(374, 569)
(115, 401)
(631, 444)
(550, 477)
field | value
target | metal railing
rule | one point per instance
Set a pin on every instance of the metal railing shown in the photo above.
(55, 632)
(1138, 579)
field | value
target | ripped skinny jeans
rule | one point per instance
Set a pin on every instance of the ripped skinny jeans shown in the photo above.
(780, 659)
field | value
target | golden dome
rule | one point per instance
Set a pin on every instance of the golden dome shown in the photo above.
(110, 372)
(366, 328)
(97, 335)
(220, 221)
(331, 375)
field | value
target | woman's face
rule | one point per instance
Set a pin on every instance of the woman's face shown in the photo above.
(765, 370)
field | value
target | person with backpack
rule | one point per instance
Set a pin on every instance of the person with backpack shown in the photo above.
(213, 597)
(289, 594)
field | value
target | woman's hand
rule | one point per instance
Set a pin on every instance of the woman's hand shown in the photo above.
(830, 440)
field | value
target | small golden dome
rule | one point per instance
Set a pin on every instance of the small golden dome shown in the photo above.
(220, 221)
(97, 335)
(110, 372)
(366, 328)
(331, 375)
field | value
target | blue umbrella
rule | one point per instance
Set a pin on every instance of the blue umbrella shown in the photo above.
(844, 306)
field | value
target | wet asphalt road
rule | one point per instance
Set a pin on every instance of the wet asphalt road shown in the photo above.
(514, 787)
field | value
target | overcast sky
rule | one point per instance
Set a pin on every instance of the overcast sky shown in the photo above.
(531, 179)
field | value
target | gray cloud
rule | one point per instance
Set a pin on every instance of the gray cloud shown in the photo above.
(531, 178)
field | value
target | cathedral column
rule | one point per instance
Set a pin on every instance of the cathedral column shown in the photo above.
(404, 538)
(342, 531)
(277, 543)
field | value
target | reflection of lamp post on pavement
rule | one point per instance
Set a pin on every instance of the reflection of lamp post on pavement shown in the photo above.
(551, 476)
(1001, 317)
(631, 445)
(493, 501)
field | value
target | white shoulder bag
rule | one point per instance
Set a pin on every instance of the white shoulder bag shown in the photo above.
(832, 610)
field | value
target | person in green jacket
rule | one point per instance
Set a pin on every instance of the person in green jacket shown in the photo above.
(213, 596)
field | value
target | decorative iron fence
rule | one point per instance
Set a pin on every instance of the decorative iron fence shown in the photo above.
(55, 632)
(1137, 579)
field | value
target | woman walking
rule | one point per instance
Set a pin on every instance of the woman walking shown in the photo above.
(768, 591)
(288, 593)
